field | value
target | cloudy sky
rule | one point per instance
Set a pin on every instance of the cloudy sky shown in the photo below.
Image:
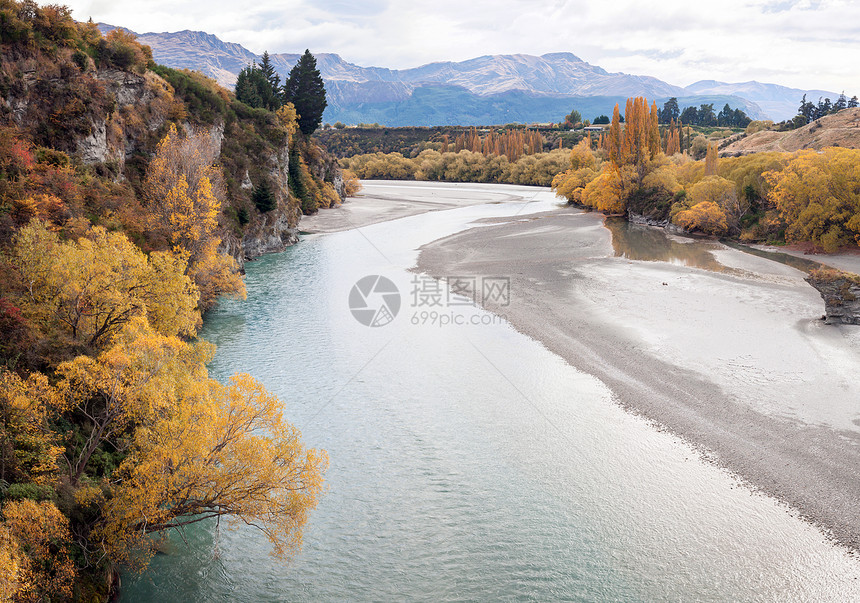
(803, 43)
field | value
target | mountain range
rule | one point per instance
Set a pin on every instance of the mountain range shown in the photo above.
(489, 89)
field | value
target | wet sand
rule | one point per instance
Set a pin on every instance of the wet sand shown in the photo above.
(735, 361)
(841, 261)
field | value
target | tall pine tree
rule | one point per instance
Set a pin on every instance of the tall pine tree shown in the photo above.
(304, 88)
(258, 86)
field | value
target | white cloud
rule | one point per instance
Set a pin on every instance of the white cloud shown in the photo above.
(802, 43)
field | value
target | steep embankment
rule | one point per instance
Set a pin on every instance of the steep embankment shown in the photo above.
(838, 130)
(107, 118)
(122, 185)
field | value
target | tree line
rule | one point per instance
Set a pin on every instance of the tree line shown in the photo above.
(462, 166)
(810, 111)
(703, 115)
(804, 196)
(259, 86)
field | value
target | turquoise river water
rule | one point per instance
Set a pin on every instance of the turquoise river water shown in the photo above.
(468, 462)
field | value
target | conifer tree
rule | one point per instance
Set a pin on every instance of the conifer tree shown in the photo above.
(305, 89)
(670, 111)
(258, 86)
(263, 197)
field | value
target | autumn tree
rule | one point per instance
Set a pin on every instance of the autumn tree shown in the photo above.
(818, 196)
(572, 119)
(706, 217)
(142, 375)
(225, 451)
(288, 118)
(183, 190)
(35, 556)
(615, 139)
(29, 448)
(91, 288)
(305, 89)
(673, 141)
(711, 160)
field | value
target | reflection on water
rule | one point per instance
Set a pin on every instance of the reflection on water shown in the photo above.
(649, 244)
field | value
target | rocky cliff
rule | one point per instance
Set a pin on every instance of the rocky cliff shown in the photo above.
(841, 293)
(111, 119)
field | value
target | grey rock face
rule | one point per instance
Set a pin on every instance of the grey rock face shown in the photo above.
(841, 298)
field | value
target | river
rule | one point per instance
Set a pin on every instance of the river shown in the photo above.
(467, 461)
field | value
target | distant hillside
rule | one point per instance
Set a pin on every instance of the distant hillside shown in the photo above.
(487, 89)
(778, 102)
(841, 129)
(438, 105)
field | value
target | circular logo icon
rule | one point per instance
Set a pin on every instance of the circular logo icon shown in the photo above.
(374, 301)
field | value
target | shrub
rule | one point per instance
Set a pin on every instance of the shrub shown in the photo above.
(29, 491)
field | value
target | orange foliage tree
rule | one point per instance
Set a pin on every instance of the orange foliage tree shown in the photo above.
(35, 562)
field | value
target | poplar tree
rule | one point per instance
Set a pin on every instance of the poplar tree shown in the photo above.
(711, 161)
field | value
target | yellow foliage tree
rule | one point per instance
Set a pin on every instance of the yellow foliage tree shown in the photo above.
(662, 178)
(28, 447)
(288, 118)
(571, 183)
(654, 146)
(581, 156)
(183, 190)
(34, 552)
(178, 189)
(608, 191)
(351, 183)
(706, 216)
(12, 564)
(711, 160)
(615, 139)
(222, 452)
(94, 286)
(142, 375)
(714, 189)
(723, 193)
(818, 196)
